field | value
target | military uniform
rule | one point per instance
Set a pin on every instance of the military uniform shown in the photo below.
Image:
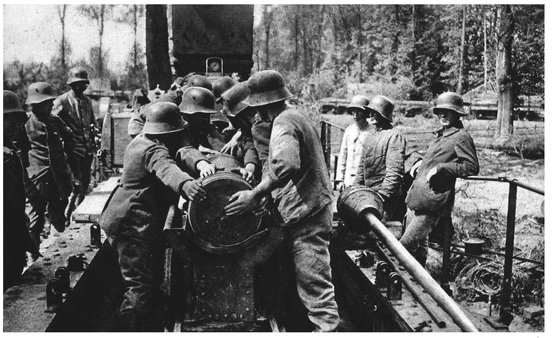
(452, 154)
(381, 165)
(350, 154)
(304, 203)
(133, 221)
(78, 115)
(16, 234)
(49, 174)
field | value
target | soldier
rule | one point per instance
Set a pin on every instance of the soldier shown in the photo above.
(219, 87)
(17, 239)
(296, 176)
(197, 106)
(75, 109)
(381, 165)
(352, 142)
(240, 115)
(50, 177)
(133, 219)
(199, 81)
(431, 197)
(138, 118)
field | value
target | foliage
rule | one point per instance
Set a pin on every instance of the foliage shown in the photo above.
(380, 43)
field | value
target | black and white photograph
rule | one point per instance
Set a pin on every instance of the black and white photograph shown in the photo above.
(258, 167)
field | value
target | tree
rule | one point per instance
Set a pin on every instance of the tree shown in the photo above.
(267, 20)
(62, 10)
(505, 125)
(462, 53)
(98, 13)
(157, 47)
(135, 69)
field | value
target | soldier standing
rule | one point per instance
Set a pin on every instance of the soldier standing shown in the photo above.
(352, 143)
(296, 176)
(50, 177)
(17, 239)
(75, 109)
(431, 197)
(381, 164)
(133, 219)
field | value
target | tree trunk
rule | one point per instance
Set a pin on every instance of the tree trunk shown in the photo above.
(485, 52)
(135, 27)
(296, 56)
(459, 88)
(61, 13)
(267, 15)
(505, 125)
(100, 56)
(157, 47)
(360, 47)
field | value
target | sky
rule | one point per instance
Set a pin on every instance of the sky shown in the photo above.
(33, 33)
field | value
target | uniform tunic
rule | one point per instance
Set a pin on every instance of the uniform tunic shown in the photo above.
(49, 175)
(381, 165)
(133, 221)
(303, 200)
(350, 154)
(453, 154)
(16, 234)
(77, 113)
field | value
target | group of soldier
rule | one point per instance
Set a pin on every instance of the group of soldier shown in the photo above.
(278, 146)
(421, 189)
(47, 161)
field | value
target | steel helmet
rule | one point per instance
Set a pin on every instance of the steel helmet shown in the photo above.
(234, 99)
(12, 103)
(222, 85)
(163, 118)
(450, 101)
(199, 81)
(39, 92)
(358, 101)
(78, 74)
(383, 106)
(171, 96)
(198, 100)
(267, 87)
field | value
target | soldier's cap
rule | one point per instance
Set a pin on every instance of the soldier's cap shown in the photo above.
(267, 87)
(197, 100)
(450, 101)
(358, 101)
(222, 85)
(12, 104)
(199, 81)
(234, 98)
(163, 118)
(39, 92)
(78, 74)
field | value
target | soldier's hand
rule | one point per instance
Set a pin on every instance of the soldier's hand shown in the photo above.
(242, 202)
(414, 170)
(205, 169)
(193, 190)
(432, 172)
(230, 148)
(248, 172)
